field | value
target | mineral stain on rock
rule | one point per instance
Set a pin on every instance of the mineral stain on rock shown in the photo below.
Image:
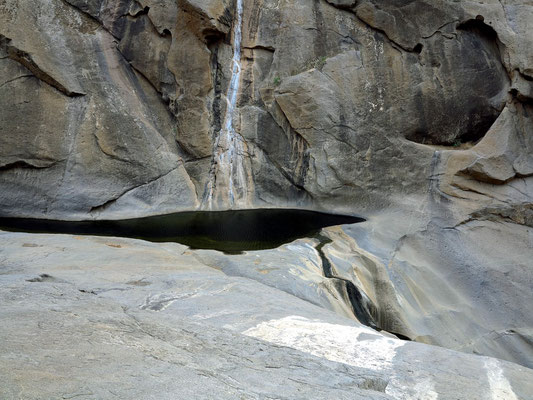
(228, 231)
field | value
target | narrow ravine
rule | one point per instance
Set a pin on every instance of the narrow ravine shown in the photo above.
(360, 307)
(363, 309)
(228, 181)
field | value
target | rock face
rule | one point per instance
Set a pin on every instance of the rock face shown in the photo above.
(104, 318)
(415, 114)
(123, 101)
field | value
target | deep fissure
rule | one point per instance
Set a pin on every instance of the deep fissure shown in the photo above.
(364, 311)
(361, 312)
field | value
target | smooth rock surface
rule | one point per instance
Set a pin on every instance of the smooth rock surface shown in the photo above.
(415, 114)
(105, 318)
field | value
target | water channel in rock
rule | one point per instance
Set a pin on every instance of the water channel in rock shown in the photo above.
(228, 173)
(227, 231)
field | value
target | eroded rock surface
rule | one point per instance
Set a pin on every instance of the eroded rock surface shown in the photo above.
(416, 115)
(105, 318)
(121, 96)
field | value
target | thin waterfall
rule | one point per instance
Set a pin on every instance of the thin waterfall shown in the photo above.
(228, 178)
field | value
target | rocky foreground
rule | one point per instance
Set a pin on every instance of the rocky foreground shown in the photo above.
(416, 115)
(110, 318)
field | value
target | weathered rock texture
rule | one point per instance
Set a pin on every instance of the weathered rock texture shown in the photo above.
(414, 114)
(107, 318)
(122, 100)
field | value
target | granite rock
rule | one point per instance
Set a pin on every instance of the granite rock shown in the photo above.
(416, 115)
(104, 318)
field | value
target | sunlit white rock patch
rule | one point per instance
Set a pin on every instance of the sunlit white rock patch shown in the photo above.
(356, 346)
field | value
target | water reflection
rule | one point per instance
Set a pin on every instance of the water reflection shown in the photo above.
(228, 231)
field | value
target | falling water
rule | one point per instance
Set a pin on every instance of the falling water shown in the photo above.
(228, 177)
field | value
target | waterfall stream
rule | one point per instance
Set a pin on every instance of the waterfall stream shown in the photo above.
(228, 177)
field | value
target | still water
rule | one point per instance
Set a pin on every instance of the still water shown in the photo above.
(227, 231)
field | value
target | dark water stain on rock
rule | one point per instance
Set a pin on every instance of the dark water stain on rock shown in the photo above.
(45, 278)
(228, 231)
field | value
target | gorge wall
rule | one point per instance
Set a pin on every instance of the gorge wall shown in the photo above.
(341, 103)
(416, 115)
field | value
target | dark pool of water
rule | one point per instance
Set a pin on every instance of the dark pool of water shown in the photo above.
(228, 231)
